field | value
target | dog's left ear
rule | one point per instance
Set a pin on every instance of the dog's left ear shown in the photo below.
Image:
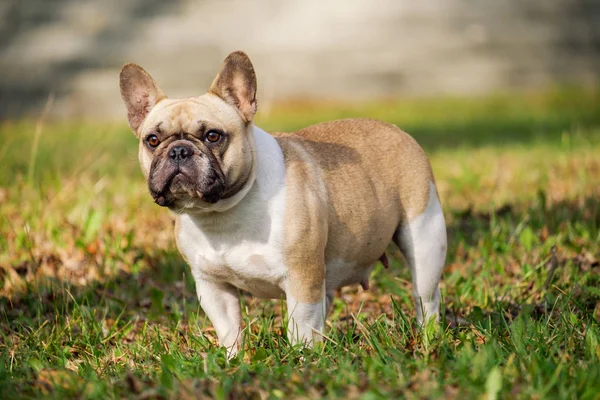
(140, 93)
(236, 84)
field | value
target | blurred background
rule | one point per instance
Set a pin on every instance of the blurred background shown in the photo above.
(502, 95)
(303, 50)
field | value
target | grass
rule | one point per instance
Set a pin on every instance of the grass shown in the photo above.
(95, 301)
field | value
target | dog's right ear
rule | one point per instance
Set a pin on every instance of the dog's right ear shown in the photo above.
(140, 93)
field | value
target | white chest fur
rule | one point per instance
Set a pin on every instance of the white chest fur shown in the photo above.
(243, 245)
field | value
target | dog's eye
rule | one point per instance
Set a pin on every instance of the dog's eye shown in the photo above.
(152, 140)
(213, 136)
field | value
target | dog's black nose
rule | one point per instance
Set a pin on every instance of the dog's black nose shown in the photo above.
(179, 154)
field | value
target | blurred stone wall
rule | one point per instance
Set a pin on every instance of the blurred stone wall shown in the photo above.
(325, 49)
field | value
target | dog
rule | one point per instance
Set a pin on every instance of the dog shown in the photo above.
(284, 214)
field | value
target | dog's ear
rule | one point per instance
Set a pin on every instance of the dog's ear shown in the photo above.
(140, 93)
(236, 84)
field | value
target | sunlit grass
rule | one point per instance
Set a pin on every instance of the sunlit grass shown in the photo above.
(97, 302)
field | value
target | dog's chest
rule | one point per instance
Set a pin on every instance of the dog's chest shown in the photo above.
(245, 252)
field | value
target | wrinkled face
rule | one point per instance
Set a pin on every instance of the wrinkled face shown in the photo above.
(195, 152)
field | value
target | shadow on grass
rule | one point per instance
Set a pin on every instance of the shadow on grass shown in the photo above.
(55, 322)
(148, 294)
(498, 120)
(166, 291)
(544, 255)
(496, 132)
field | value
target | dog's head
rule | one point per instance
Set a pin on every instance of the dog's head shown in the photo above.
(196, 153)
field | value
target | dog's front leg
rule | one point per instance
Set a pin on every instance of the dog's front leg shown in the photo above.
(221, 303)
(306, 314)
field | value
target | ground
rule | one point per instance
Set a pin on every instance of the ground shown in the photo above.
(96, 302)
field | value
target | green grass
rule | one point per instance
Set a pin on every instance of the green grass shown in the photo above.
(95, 301)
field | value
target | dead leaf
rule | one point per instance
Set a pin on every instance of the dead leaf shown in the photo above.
(48, 379)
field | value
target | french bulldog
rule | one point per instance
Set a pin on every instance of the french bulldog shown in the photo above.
(283, 214)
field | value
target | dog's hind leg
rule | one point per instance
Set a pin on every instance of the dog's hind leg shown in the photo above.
(423, 242)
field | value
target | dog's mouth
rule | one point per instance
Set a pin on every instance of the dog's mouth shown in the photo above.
(164, 197)
(181, 187)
